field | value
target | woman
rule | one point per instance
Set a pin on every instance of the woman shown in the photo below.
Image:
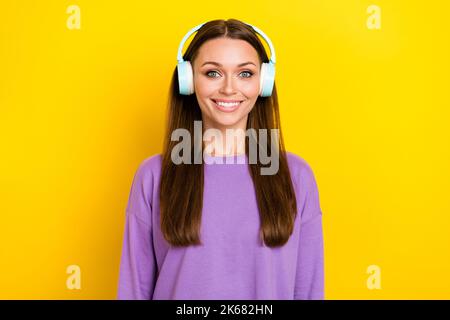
(214, 230)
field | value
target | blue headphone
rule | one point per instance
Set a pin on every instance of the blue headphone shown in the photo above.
(186, 77)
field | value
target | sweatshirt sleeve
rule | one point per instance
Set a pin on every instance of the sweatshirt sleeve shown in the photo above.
(137, 264)
(309, 283)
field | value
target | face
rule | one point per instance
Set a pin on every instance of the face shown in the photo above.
(226, 82)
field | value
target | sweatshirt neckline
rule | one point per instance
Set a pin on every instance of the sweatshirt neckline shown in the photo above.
(241, 156)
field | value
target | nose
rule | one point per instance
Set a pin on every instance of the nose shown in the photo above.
(227, 86)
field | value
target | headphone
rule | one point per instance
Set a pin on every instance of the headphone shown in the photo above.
(186, 77)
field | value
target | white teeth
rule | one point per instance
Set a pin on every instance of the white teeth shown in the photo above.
(227, 104)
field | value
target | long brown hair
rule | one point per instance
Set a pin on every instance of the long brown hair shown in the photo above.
(181, 186)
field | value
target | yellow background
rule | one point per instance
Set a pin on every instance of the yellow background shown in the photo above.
(367, 109)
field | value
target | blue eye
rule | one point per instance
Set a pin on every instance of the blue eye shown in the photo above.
(211, 72)
(248, 72)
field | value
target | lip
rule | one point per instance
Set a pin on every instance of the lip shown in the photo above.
(225, 100)
(224, 109)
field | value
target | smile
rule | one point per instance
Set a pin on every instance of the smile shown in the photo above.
(226, 106)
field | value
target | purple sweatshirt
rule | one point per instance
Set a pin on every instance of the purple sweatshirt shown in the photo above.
(232, 264)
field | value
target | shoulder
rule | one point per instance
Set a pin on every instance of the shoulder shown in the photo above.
(143, 187)
(300, 169)
(149, 167)
(304, 178)
(147, 173)
(152, 162)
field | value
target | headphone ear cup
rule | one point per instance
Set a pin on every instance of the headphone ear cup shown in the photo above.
(185, 78)
(267, 79)
(261, 78)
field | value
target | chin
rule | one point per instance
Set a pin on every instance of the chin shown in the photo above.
(230, 123)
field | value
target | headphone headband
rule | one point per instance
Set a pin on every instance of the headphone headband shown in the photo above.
(190, 32)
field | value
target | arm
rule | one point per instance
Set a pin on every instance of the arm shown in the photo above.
(310, 270)
(137, 265)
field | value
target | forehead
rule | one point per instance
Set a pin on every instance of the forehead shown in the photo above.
(227, 51)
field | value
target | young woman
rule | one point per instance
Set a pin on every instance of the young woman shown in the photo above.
(214, 230)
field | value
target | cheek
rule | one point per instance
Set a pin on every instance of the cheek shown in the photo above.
(251, 89)
(203, 87)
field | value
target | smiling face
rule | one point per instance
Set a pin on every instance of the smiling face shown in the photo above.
(226, 82)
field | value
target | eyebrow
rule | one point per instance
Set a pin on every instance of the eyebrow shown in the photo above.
(219, 65)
